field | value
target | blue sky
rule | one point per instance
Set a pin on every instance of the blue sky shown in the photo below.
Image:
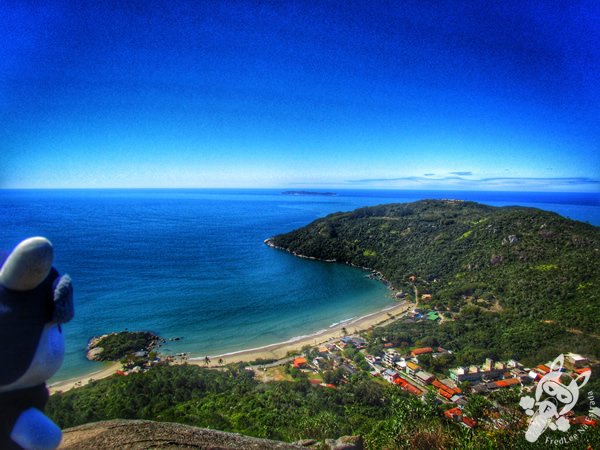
(404, 94)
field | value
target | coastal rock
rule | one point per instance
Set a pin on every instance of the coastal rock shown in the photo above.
(93, 354)
(115, 346)
(144, 434)
(345, 443)
(95, 341)
(350, 443)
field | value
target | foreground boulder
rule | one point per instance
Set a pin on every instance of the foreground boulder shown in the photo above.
(145, 434)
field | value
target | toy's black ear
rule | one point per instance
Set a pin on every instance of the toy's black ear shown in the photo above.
(28, 264)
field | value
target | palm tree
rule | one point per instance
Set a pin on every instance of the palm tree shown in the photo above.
(206, 360)
(344, 331)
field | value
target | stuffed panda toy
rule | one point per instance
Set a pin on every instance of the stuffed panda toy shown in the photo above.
(34, 302)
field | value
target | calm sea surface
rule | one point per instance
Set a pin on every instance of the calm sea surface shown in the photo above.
(192, 263)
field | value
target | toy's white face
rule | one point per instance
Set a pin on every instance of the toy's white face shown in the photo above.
(28, 265)
(558, 398)
(558, 391)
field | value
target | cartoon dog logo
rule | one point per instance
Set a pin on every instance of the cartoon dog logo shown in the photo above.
(553, 400)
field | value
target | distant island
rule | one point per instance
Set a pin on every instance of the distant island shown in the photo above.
(324, 194)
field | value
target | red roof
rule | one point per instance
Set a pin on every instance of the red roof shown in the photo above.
(420, 351)
(412, 390)
(582, 370)
(446, 388)
(445, 394)
(300, 361)
(543, 368)
(388, 344)
(454, 413)
(507, 382)
(401, 382)
(469, 422)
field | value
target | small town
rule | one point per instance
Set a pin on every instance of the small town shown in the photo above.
(334, 363)
(420, 371)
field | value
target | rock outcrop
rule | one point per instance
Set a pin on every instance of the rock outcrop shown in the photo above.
(145, 434)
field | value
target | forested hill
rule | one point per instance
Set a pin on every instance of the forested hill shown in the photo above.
(530, 276)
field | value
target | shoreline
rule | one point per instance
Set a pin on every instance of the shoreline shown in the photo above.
(71, 383)
(379, 275)
(278, 350)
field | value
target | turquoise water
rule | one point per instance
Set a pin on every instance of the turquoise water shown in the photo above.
(192, 263)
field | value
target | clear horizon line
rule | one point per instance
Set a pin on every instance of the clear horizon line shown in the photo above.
(307, 189)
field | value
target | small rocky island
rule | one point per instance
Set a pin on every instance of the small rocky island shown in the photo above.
(325, 194)
(116, 346)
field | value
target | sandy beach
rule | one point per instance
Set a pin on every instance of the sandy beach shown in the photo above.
(272, 351)
(281, 349)
(67, 385)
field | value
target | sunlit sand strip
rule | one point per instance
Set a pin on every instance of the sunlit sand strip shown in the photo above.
(282, 349)
(69, 384)
(272, 351)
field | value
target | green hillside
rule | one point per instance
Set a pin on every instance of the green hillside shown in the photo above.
(518, 282)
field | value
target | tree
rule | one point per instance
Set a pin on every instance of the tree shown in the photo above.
(477, 406)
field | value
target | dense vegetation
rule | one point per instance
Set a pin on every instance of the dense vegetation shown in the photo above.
(116, 346)
(520, 282)
(232, 400)
(509, 283)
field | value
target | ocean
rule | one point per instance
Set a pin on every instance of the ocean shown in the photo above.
(192, 263)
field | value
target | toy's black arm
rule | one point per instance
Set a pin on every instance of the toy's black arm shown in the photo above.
(63, 300)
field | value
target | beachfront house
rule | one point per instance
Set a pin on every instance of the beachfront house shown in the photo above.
(490, 370)
(412, 368)
(300, 362)
(424, 377)
(400, 365)
(460, 374)
(456, 414)
(355, 341)
(390, 357)
(574, 361)
(389, 375)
